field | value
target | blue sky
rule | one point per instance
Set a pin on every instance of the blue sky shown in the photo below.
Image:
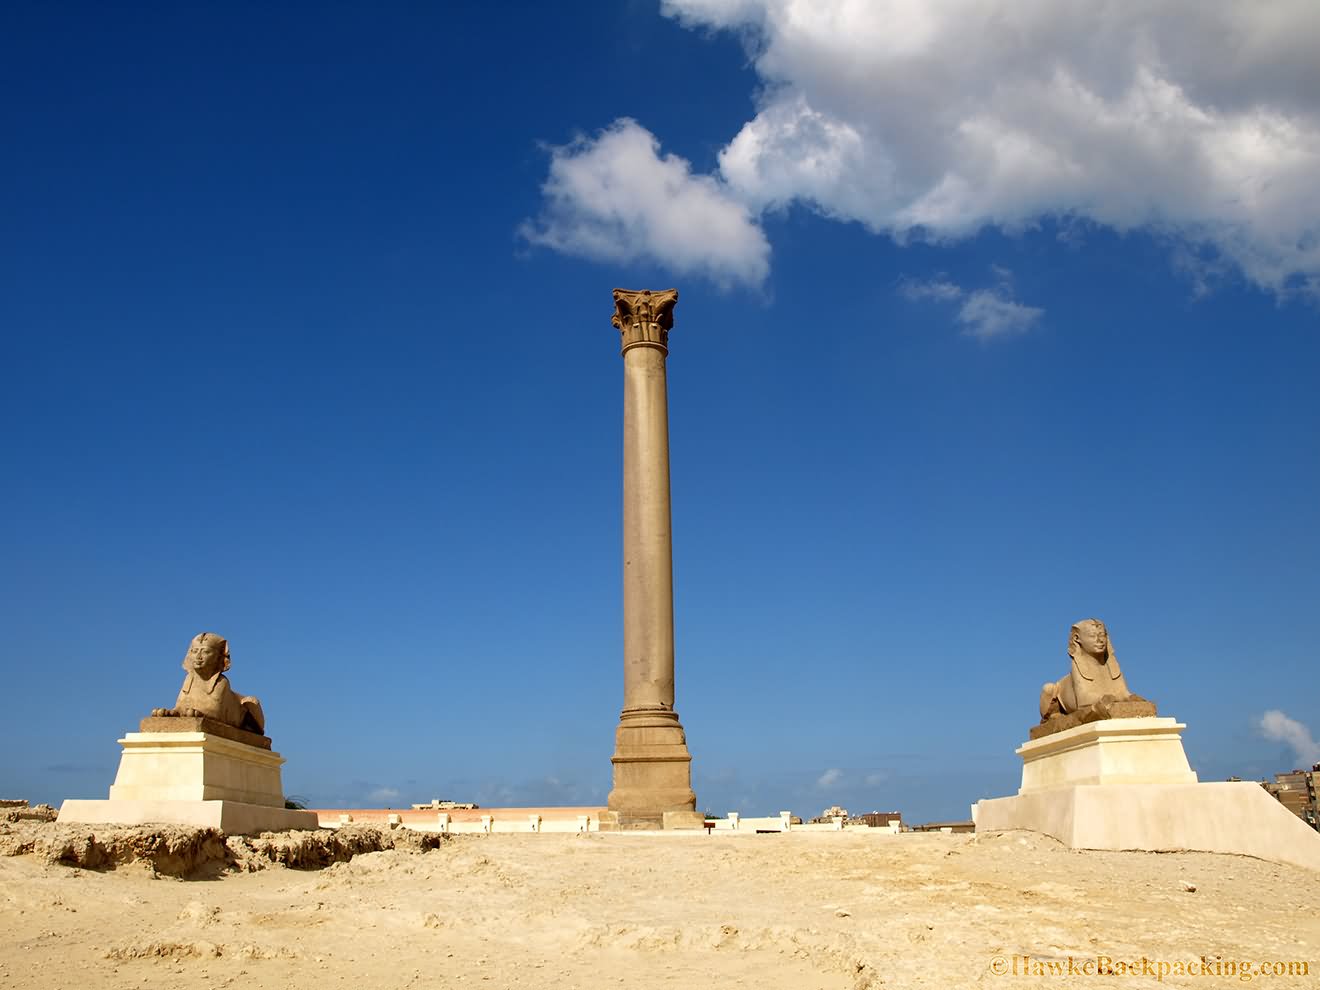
(306, 324)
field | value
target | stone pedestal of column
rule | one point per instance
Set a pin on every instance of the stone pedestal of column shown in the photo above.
(652, 770)
(652, 778)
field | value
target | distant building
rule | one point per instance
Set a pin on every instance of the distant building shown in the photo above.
(878, 819)
(872, 819)
(829, 814)
(1296, 791)
(436, 804)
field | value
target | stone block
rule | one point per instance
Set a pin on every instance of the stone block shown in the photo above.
(230, 817)
(683, 820)
(178, 723)
(196, 766)
(1109, 751)
(1130, 708)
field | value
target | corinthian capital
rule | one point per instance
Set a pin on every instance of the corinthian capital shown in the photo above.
(644, 317)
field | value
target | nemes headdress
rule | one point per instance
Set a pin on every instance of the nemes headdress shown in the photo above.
(224, 646)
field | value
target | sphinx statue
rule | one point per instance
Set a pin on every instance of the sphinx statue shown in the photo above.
(206, 692)
(1095, 687)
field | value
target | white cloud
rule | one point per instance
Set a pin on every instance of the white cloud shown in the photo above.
(615, 198)
(1196, 119)
(829, 778)
(938, 288)
(877, 779)
(989, 313)
(1275, 725)
(382, 794)
(984, 313)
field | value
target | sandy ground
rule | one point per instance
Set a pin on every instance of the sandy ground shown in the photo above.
(829, 910)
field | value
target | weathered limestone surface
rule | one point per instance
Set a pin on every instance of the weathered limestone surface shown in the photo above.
(652, 765)
(208, 725)
(1134, 707)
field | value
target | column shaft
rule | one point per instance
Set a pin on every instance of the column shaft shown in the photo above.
(648, 573)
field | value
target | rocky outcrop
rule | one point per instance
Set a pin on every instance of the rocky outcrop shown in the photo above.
(190, 853)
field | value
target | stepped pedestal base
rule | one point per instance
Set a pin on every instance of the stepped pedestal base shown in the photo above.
(194, 778)
(652, 774)
(1125, 783)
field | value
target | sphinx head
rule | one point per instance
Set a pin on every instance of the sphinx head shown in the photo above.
(208, 655)
(1091, 637)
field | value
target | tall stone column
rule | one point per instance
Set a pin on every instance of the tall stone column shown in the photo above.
(652, 765)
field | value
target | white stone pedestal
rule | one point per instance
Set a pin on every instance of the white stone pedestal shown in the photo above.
(230, 817)
(1126, 784)
(196, 766)
(1110, 751)
(194, 778)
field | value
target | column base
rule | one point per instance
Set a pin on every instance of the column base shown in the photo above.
(652, 771)
(668, 821)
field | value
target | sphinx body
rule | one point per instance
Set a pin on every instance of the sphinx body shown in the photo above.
(1095, 675)
(206, 692)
